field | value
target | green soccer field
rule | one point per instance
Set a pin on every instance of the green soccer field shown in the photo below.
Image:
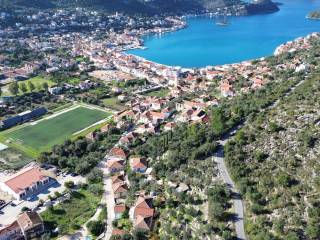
(46, 133)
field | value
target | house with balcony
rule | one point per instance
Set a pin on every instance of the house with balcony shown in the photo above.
(26, 183)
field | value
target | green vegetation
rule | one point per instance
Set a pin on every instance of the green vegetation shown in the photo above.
(113, 103)
(273, 160)
(159, 93)
(36, 83)
(11, 158)
(142, 7)
(71, 214)
(48, 132)
(183, 156)
(82, 155)
(96, 227)
(314, 15)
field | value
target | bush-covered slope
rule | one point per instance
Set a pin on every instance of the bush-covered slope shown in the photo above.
(275, 162)
(139, 6)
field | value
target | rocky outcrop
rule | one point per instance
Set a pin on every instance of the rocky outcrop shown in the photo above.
(261, 7)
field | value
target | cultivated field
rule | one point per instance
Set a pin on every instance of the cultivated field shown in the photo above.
(42, 135)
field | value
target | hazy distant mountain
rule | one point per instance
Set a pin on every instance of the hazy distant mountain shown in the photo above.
(139, 6)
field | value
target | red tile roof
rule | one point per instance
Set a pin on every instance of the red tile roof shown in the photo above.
(29, 220)
(145, 212)
(143, 222)
(118, 152)
(24, 179)
(119, 208)
(115, 164)
(143, 207)
(119, 187)
(118, 232)
(138, 162)
(117, 178)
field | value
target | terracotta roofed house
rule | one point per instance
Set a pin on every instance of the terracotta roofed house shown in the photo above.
(143, 207)
(169, 126)
(120, 190)
(138, 164)
(11, 232)
(119, 210)
(31, 224)
(118, 152)
(143, 213)
(117, 178)
(26, 183)
(118, 232)
(143, 223)
(115, 166)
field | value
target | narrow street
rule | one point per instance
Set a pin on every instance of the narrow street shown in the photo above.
(109, 200)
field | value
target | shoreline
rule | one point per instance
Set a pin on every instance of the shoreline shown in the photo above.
(278, 50)
(313, 18)
(183, 20)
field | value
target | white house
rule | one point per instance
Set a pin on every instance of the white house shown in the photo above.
(26, 183)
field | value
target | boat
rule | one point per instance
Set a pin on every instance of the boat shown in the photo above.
(222, 22)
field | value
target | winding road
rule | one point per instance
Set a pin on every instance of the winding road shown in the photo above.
(223, 171)
(237, 201)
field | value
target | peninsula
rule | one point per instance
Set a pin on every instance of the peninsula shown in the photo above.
(314, 15)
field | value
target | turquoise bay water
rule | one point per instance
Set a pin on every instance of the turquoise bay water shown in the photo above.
(204, 43)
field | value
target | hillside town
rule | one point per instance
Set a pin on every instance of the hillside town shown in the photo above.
(142, 116)
(52, 65)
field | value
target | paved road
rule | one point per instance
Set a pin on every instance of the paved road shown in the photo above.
(237, 201)
(110, 205)
(108, 198)
(223, 171)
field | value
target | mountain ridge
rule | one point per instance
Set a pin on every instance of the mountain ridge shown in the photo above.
(145, 6)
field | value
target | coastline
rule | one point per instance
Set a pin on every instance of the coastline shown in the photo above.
(278, 50)
(313, 18)
(183, 24)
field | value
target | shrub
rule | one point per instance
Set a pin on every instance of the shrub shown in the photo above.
(69, 184)
(96, 227)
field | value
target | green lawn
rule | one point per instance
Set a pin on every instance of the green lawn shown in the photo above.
(113, 103)
(37, 81)
(69, 215)
(46, 133)
(158, 93)
(11, 158)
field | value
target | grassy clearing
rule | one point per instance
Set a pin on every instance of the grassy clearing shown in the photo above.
(113, 103)
(158, 93)
(70, 215)
(13, 159)
(73, 80)
(43, 135)
(37, 81)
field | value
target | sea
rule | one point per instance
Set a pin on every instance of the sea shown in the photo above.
(204, 43)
